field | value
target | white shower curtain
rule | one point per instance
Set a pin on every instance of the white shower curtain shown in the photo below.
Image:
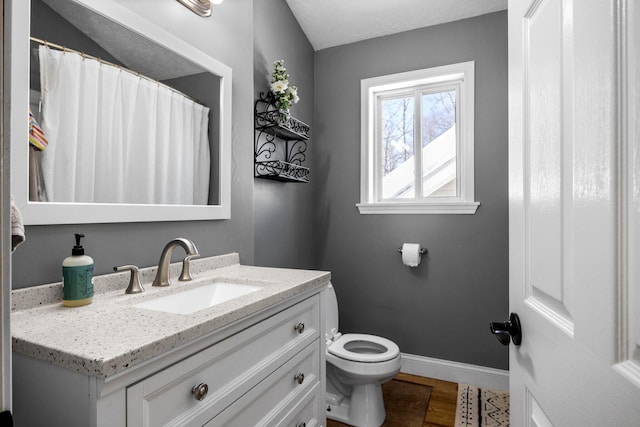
(115, 137)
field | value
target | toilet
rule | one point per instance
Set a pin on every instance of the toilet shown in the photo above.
(357, 366)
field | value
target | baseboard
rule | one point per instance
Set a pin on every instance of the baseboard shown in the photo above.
(455, 371)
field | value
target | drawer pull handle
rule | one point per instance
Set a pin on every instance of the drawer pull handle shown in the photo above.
(200, 391)
(299, 378)
(299, 327)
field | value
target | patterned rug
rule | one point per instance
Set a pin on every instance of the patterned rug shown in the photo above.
(481, 407)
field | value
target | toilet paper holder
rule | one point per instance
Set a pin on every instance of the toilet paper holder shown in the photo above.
(422, 251)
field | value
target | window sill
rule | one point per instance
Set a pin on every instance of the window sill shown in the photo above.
(455, 208)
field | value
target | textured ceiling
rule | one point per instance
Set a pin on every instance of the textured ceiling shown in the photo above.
(330, 23)
(130, 49)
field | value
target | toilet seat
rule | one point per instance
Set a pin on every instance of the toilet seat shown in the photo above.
(364, 348)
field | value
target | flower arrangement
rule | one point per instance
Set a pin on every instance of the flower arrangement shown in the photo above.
(283, 93)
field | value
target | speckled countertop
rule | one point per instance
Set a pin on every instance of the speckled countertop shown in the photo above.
(110, 335)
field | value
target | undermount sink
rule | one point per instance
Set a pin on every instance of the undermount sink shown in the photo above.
(197, 299)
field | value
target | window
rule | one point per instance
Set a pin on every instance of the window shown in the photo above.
(417, 142)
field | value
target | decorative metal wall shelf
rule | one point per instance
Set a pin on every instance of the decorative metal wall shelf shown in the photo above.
(279, 135)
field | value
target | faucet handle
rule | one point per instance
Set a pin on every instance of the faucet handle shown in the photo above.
(134, 282)
(185, 274)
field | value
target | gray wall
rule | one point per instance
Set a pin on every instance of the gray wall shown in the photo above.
(228, 36)
(442, 308)
(283, 212)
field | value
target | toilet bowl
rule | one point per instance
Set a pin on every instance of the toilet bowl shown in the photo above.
(357, 366)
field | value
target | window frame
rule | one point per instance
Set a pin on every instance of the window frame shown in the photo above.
(373, 90)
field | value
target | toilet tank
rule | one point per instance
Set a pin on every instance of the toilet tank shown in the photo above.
(331, 317)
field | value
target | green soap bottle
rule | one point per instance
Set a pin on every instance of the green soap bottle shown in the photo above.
(77, 277)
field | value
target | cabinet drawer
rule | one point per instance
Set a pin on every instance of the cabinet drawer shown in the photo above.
(309, 412)
(268, 402)
(229, 369)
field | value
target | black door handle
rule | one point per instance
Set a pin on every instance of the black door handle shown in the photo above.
(507, 331)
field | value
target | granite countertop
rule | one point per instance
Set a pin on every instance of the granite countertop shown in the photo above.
(110, 335)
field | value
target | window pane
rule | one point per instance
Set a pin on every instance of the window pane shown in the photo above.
(439, 144)
(398, 163)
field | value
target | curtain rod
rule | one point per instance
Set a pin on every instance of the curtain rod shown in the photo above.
(102, 61)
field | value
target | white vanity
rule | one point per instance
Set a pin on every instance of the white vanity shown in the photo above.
(254, 360)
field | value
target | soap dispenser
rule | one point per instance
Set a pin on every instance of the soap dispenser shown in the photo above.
(77, 277)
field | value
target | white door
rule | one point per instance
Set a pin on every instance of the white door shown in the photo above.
(574, 184)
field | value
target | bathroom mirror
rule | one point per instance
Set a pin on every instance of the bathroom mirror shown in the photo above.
(119, 37)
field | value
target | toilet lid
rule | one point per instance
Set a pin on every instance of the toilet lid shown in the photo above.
(364, 348)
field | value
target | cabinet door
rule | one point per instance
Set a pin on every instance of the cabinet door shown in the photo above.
(229, 369)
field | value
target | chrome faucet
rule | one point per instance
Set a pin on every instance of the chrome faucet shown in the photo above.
(162, 275)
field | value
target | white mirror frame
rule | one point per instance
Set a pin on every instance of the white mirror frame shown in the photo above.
(40, 213)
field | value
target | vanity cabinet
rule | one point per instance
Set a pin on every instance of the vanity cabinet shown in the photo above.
(265, 370)
(247, 379)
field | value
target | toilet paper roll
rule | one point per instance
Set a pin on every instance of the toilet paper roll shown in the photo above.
(411, 254)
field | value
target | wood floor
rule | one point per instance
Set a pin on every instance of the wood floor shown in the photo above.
(441, 411)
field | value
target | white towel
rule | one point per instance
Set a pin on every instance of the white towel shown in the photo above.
(17, 228)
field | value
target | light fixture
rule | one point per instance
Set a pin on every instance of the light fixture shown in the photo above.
(200, 7)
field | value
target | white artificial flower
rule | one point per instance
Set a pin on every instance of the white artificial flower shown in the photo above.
(293, 94)
(279, 86)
